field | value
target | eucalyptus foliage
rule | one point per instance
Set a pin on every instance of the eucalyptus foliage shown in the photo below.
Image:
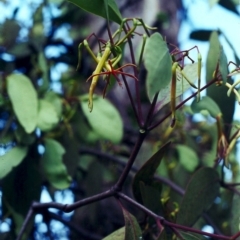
(139, 164)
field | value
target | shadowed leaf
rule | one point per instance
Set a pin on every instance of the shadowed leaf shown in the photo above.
(11, 159)
(235, 213)
(116, 235)
(132, 228)
(223, 65)
(208, 104)
(191, 236)
(229, 5)
(187, 157)
(201, 35)
(219, 94)
(147, 171)
(98, 7)
(201, 191)
(53, 167)
(151, 196)
(20, 188)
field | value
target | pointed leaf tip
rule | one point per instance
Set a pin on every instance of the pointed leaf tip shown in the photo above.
(98, 7)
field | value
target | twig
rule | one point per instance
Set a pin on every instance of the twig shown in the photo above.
(181, 104)
(170, 224)
(25, 223)
(121, 180)
(63, 207)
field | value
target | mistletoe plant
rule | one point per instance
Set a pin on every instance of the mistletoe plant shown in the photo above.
(175, 192)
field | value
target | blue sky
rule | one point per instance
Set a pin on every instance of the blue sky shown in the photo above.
(205, 17)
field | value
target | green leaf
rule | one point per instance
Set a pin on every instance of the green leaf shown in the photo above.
(165, 234)
(158, 63)
(116, 235)
(47, 116)
(24, 100)
(105, 120)
(213, 55)
(83, 129)
(132, 228)
(218, 94)
(146, 172)
(106, 9)
(190, 236)
(98, 7)
(201, 191)
(20, 188)
(9, 32)
(201, 34)
(53, 167)
(223, 65)
(17, 218)
(187, 157)
(191, 72)
(235, 213)
(55, 100)
(11, 159)
(208, 104)
(151, 196)
(212, 2)
(23, 137)
(44, 67)
(229, 5)
(71, 157)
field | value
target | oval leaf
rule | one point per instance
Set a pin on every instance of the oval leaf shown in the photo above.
(98, 7)
(201, 34)
(212, 2)
(158, 63)
(201, 191)
(151, 196)
(147, 171)
(208, 104)
(223, 65)
(190, 236)
(11, 159)
(235, 213)
(24, 100)
(213, 55)
(105, 120)
(47, 116)
(218, 94)
(190, 71)
(53, 167)
(55, 100)
(187, 157)
(132, 228)
(116, 235)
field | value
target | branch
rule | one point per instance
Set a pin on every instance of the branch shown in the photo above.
(168, 182)
(181, 104)
(167, 223)
(63, 207)
(127, 169)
